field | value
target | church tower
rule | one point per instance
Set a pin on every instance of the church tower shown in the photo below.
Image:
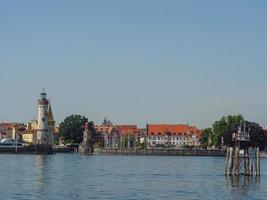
(43, 132)
(51, 124)
(51, 121)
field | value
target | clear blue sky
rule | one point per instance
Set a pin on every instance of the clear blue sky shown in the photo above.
(135, 61)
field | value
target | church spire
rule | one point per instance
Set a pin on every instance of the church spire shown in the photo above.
(50, 113)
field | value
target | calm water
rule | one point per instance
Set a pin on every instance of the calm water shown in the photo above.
(68, 176)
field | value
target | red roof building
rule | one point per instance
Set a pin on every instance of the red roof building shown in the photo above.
(129, 135)
(172, 129)
(128, 130)
(172, 135)
(6, 129)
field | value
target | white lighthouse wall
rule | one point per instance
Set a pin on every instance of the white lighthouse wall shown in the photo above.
(42, 117)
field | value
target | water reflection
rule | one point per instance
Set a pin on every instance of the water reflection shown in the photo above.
(241, 186)
(41, 167)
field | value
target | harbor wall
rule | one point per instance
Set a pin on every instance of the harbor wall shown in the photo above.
(113, 151)
(34, 149)
(160, 152)
(38, 149)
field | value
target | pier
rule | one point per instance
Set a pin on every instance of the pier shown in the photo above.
(241, 159)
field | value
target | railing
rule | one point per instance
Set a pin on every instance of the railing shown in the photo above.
(244, 136)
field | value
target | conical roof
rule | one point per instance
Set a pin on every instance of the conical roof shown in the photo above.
(50, 113)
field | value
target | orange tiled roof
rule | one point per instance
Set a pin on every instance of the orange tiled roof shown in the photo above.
(180, 129)
(106, 129)
(128, 129)
(11, 125)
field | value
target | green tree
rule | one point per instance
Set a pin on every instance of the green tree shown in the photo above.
(222, 126)
(71, 129)
(206, 134)
(257, 136)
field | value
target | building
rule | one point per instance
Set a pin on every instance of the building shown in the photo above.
(5, 130)
(170, 135)
(29, 135)
(11, 130)
(117, 136)
(106, 135)
(143, 135)
(43, 130)
(129, 135)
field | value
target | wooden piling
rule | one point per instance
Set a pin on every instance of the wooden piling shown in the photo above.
(251, 157)
(237, 162)
(250, 167)
(258, 162)
(226, 161)
(229, 172)
(245, 162)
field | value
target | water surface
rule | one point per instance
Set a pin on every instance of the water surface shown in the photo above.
(69, 176)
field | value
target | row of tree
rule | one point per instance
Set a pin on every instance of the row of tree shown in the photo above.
(221, 132)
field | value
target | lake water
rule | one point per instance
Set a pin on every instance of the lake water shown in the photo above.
(69, 176)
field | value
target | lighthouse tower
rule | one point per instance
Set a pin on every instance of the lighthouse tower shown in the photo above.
(43, 132)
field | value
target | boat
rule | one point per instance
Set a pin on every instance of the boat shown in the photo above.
(10, 143)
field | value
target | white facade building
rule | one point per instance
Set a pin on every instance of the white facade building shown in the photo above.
(172, 135)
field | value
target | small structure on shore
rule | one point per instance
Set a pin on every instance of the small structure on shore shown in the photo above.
(86, 147)
(241, 159)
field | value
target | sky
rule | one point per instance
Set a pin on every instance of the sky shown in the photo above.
(135, 62)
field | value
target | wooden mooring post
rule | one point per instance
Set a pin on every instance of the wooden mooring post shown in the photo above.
(241, 159)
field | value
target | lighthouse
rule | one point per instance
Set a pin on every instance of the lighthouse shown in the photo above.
(43, 132)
